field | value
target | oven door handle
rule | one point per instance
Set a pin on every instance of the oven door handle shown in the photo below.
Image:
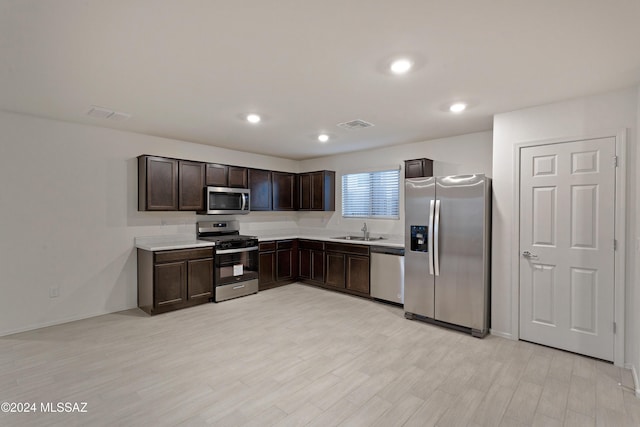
(235, 251)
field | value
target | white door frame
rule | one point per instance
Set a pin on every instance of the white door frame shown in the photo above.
(619, 233)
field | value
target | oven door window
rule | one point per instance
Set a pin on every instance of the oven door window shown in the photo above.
(236, 267)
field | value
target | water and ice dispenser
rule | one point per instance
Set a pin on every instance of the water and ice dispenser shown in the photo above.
(419, 238)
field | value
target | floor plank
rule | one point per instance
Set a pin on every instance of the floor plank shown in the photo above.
(299, 355)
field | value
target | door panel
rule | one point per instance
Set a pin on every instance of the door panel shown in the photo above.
(583, 300)
(584, 210)
(543, 284)
(567, 225)
(418, 281)
(200, 279)
(459, 287)
(544, 214)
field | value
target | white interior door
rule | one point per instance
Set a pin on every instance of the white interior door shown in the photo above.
(567, 212)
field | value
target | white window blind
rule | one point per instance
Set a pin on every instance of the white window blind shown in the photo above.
(371, 195)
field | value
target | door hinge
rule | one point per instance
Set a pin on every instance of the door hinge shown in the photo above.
(615, 161)
(614, 327)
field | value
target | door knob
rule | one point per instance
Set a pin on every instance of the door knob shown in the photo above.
(528, 254)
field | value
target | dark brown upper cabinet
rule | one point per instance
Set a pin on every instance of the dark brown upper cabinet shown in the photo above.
(238, 177)
(166, 184)
(191, 185)
(284, 191)
(226, 176)
(157, 184)
(317, 191)
(261, 190)
(217, 175)
(418, 168)
(170, 184)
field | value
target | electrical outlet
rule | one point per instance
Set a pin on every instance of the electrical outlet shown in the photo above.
(54, 292)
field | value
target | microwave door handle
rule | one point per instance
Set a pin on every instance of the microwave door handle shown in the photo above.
(244, 201)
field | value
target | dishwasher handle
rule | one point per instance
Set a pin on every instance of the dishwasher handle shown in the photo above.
(387, 250)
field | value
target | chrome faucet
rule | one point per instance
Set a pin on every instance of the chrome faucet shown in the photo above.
(365, 230)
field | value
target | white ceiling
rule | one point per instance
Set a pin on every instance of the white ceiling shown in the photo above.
(190, 69)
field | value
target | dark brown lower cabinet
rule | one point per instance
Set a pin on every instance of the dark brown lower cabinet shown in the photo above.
(337, 266)
(348, 268)
(336, 270)
(174, 279)
(311, 261)
(358, 274)
(267, 276)
(278, 263)
(286, 261)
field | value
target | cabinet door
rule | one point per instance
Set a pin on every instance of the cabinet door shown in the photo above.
(192, 183)
(418, 168)
(217, 175)
(267, 274)
(304, 264)
(317, 191)
(238, 177)
(285, 264)
(284, 190)
(260, 186)
(358, 274)
(317, 266)
(200, 279)
(161, 186)
(170, 282)
(335, 270)
(305, 192)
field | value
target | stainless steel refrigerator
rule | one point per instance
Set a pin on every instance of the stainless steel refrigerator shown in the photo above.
(447, 251)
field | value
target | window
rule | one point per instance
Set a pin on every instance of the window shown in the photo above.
(371, 195)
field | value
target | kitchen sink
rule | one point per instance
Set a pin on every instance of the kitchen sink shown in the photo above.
(360, 238)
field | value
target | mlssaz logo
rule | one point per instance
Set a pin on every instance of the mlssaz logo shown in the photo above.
(63, 407)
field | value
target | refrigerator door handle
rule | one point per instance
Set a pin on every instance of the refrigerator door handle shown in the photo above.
(430, 237)
(436, 232)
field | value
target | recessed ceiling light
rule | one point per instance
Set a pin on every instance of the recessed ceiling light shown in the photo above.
(401, 66)
(323, 137)
(458, 107)
(253, 118)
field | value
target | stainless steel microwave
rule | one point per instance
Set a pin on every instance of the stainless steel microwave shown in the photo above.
(227, 201)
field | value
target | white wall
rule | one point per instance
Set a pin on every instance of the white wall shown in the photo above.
(465, 154)
(68, 216)
(612, 111)
(68, 198)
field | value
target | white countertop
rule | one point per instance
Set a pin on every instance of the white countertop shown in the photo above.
(186, 241)
(169, 242)
(393, 243)
(329, 236)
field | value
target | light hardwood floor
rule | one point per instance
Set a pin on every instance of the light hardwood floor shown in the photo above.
(299, 355)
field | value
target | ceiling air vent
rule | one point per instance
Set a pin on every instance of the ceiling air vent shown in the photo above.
(106, 113)
(355, 124)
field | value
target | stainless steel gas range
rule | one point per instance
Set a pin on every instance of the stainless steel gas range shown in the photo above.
(236, 259)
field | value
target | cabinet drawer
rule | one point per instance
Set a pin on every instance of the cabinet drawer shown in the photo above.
(350, 249)
(285, 244)
(182, 255)
(267, 246)
(311, 244)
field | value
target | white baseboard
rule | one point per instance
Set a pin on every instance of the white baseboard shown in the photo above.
(634, 374)
(502, 334)
(56, 322)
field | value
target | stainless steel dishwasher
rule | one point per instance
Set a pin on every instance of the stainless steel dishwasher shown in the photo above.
(387, 274)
